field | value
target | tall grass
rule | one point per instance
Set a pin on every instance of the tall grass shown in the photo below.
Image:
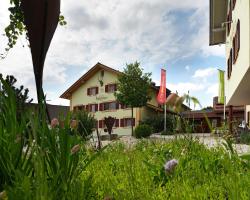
(37, 162)
(138, 173)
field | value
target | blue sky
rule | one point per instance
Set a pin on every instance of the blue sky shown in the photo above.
(159, 33)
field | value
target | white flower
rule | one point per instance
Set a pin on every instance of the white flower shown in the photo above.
(170, 165)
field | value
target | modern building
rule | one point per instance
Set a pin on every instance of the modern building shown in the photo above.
(230, 25)
(215, 116)
(94, 92)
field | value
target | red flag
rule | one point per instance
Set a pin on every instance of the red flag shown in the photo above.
(161, 98)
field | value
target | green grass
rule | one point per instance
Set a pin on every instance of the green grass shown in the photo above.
(48, 168)
(137, 173)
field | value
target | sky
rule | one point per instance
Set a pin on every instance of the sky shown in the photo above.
(159, 34)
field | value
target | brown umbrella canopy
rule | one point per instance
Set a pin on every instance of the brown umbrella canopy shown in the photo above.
(41, 18)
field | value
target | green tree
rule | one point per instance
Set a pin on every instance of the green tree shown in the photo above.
(133, 87)
(21, 94)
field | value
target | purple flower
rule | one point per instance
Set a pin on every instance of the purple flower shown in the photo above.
(170, 165)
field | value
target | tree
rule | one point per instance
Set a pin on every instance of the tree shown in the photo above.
(133, 87)
(21, 94)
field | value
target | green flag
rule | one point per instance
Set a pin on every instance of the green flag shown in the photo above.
(221, 96)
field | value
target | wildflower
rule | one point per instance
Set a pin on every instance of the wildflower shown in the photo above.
(73, 124)
(170, 165)
(75, 149)
(54, 123)
(3, 195)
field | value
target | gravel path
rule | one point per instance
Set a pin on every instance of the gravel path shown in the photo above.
(207, 139)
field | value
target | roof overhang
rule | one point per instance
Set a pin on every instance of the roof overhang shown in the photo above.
(217, 26)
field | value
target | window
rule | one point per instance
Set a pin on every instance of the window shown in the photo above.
(109, 106)
(79, 107)
(124, 106)
(126, 122)
(92, 91)
(236, 42)
(110, 88)
(92, 107)
(116, 125)
(229, 65)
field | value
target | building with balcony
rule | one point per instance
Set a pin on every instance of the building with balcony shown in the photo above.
(230, 25)
(215, 116)
(94, 92)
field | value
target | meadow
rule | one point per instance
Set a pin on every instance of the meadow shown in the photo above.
(38, 161)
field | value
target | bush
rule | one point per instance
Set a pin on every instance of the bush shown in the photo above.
(244, 137)
(142, 131)
(167, 132)
(86, 123)
(157, 123)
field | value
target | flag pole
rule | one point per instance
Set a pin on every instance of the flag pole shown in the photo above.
(165, 108)
(165, 117)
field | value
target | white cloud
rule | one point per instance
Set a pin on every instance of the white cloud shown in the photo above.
(204, 73)
(184, 87)
(213, 89)
(187, 67)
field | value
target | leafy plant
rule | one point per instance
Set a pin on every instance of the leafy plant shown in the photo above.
(157, 123)
(86, 123)
(20, 94)
(142, 131)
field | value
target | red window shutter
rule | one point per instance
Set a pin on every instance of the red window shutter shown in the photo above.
(88, 91)
(122, 106)
(115, 85)
(117, 123)
(121, 122)
(97, 90)
(106, 88)
(88, 107)
(133, 122)
(117, 105)
(101, 107)
(96, 107)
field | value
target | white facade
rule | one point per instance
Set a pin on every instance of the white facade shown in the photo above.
(230, 22)
(237, 86)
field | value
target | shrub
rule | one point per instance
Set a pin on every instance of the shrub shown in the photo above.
(142, 131)
(157, 123)
(167, 132)
(244, 137)
(86, 123)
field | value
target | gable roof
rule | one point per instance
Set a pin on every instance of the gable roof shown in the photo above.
(98, 66)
